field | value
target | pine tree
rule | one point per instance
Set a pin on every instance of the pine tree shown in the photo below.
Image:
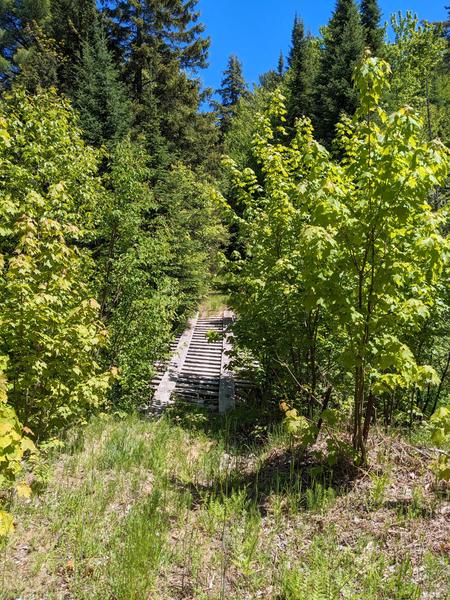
(232, 90)
(272, 79)
(370, 18)
(301, 78)
(446, 31)
(99, 95)
(148, 33)
(343, 49)
(18, 22)
(159, 43)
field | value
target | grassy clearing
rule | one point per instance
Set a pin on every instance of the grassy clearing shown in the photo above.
(184, 508)
(214, 304)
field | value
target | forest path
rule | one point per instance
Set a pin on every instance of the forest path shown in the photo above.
(198, 371)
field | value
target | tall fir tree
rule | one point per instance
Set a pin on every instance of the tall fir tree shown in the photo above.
(98, 94)
(280, 67)
(232, 90)
(297, 39)
(272, 79)
(370, 18)
(301, 78)
(446, 32)
(160, 43)
(344, 43)
(146, 33)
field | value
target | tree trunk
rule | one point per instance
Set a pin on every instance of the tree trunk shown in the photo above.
(358, 438)
(441, 383)
(326, 402)
(368, 417)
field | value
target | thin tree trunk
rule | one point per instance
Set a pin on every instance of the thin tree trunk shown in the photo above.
(326, 402)
(358, 440)
(368, 417)
(441, 383)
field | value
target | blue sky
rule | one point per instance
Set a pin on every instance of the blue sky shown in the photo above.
(256, 30)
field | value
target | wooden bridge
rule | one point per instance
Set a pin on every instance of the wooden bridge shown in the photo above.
(199, 369)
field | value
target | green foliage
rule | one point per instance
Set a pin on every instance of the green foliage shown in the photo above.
(157, 43)
(339, 266)
(18, 22)
(137, 300)
(343, 49)
(155, 247)
(378, 492)
(304, 62)
(13, 446)
(50, 327)
(418, 78)
(440, 422)
(233, 89)
(370, 19)
(70, 25)
(239, 137)
(100, 98)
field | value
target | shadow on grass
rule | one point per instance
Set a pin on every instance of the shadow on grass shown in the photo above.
(254, 464)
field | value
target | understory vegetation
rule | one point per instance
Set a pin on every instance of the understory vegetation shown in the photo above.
(187, 507)
(315, 205)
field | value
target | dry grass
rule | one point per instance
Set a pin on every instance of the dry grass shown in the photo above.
(174, 510)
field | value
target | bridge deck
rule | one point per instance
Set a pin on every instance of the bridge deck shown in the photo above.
(198, 371)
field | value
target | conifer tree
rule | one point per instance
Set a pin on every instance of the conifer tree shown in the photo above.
(297, 39)
(270, 80)
(150, 33)
(70, 26)
(159, 43)
(99, 95)
(370, 18)
(343, 49)
(301, 79)
(280, 68)
(446, 31)
(18, 21)
(232, 90)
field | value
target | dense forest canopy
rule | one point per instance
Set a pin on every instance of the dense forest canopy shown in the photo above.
(326, 222)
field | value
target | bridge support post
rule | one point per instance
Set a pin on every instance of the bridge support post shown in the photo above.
(227, 386)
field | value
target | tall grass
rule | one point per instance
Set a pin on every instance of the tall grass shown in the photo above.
(138, 510)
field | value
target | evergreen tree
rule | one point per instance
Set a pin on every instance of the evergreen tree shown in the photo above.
(99, 95)
(297, 40)
(232, 90)
(18, 22)
(71, 26)
(446, 32)
(370, 18)
(280, 69)
(273, 78)
(40, 64)
(148, 34)
(343, 49)
(158, 42)
(301, 78)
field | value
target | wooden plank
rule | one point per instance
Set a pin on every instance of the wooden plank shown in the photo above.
(165, 389)
(227, 389)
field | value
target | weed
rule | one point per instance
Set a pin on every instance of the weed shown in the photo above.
(318, 498)
(378, 489)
